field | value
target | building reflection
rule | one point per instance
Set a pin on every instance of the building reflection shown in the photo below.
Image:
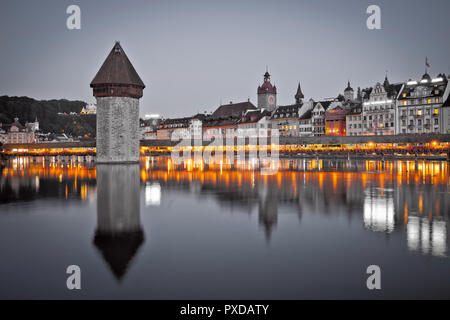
(152, 194)
(427, 237)
(119, 233)
(379, 212)
(383, 195)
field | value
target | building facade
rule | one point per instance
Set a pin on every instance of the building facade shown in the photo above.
(379, 109)
(420, 106)
(335, 121)
(353, 121)
(318, 117)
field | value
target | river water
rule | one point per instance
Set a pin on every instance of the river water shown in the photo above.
(159, 230)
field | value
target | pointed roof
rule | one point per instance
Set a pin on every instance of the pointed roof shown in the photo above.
(299, 94)
(118, 249)
(349, 88)
(117, 69)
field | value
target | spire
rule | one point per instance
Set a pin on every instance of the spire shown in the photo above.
(386, 82)
(266, 75)
(349, 88)
(299, 95)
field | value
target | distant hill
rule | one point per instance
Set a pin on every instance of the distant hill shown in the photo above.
(46, 111)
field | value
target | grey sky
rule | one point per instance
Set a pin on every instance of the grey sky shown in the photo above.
(194, 54)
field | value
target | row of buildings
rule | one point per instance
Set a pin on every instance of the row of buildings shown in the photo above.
(412, 107)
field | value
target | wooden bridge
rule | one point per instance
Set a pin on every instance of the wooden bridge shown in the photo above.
(435, 142)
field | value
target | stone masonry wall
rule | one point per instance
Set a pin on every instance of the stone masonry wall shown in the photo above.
(117, 129)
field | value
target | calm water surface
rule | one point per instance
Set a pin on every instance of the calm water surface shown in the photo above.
(194, 231)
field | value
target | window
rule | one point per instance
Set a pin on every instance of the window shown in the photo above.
(419, 112)
(429, 101)
(436, 111)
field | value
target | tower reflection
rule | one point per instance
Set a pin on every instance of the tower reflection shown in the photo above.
(119, 234)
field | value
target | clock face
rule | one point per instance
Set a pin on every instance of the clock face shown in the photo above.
(271, 99)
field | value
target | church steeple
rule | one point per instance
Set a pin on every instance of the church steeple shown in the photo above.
(386, 82)
(299, 95)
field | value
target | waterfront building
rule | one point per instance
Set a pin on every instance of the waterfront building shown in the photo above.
(117, 88)
(267, 94)
(353, 121)
(318, 117)
(420, 106)
(255, 123)
(305, 124)
(224, 120)
(335, 124)
(286, 120)
(379, 108)
(167, 127)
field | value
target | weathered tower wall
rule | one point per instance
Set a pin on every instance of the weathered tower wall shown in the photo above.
(117, 130)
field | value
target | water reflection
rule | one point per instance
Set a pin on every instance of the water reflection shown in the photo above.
(119, 233)
(409, 198)
(28, 179)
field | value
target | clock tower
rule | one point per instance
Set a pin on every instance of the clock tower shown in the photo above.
(267, 94)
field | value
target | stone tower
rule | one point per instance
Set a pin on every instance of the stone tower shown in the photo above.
(118, 88)
(267, 94)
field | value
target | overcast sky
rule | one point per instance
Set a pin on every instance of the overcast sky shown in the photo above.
(192, 55)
